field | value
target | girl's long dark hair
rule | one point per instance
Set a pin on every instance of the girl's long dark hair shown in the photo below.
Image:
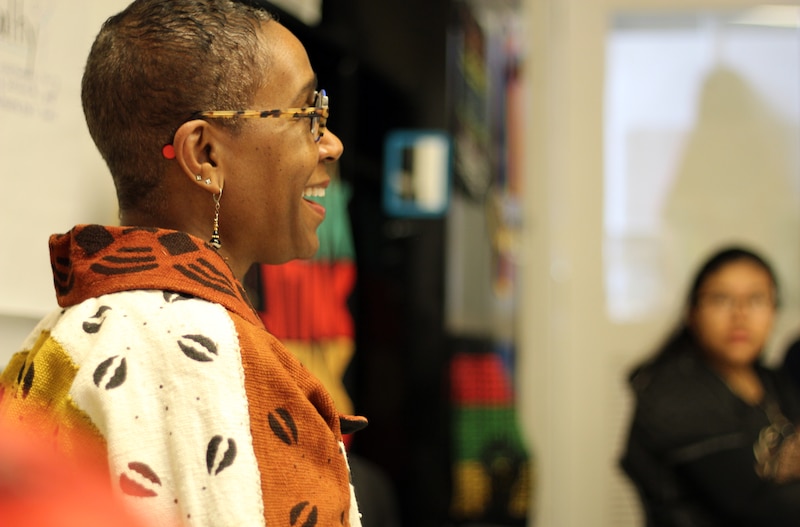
(682, 339)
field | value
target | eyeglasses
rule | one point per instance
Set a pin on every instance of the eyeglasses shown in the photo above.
(317, 114)
(725, 303)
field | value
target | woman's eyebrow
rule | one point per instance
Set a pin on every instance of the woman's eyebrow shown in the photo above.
(307, 88)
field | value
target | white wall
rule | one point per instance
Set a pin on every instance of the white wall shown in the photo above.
(53, 176)
(573, 355)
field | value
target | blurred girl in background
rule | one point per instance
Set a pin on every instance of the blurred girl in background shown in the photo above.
(712, 441)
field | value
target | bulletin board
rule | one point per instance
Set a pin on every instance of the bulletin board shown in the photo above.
(52, 175)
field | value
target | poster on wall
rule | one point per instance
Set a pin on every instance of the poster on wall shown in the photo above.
(52, 175)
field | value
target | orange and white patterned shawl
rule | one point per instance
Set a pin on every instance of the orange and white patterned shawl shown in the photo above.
(157, 360)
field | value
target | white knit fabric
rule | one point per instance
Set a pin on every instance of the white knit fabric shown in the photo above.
(168, 394)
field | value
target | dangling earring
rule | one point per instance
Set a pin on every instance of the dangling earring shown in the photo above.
(214, 241)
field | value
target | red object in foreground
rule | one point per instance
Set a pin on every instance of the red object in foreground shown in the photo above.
(39, 487)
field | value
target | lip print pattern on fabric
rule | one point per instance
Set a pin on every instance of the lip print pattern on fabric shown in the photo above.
(227, 458)
(117, 378)
(139, 481)
(297, 514)
(94, 324)
(206, 351)
(252, 433)
(171, 297)
(283, 425)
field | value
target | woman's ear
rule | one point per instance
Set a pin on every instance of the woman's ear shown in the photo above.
(195, 145)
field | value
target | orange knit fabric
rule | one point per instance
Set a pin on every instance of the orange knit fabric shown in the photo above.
(294, 424)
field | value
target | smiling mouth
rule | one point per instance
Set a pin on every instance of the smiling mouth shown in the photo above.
(314, 192)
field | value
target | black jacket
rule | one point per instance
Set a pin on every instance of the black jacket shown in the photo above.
(690, 449)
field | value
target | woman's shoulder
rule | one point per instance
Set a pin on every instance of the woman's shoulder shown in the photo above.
(680, 400)
(675, 377)
(138, 319)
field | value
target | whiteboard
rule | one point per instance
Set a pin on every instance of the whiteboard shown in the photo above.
(52, 175)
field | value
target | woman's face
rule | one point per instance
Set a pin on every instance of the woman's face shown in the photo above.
(734, 314)
(275, 164)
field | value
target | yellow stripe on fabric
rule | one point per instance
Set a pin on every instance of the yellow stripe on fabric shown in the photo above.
(35, 395)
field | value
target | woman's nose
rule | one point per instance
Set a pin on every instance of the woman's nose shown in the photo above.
(330, 147)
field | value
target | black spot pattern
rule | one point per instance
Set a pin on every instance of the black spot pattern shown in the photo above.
(205, 353)
(113, 252)
(227, 458)
(178, 243)
(296, 515)
(283, 425)
(93, 239)
(125, 260)
(117, 378)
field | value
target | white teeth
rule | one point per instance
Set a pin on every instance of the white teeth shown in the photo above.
(314, 192)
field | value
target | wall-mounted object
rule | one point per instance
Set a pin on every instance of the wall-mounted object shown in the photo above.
(417, 173)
